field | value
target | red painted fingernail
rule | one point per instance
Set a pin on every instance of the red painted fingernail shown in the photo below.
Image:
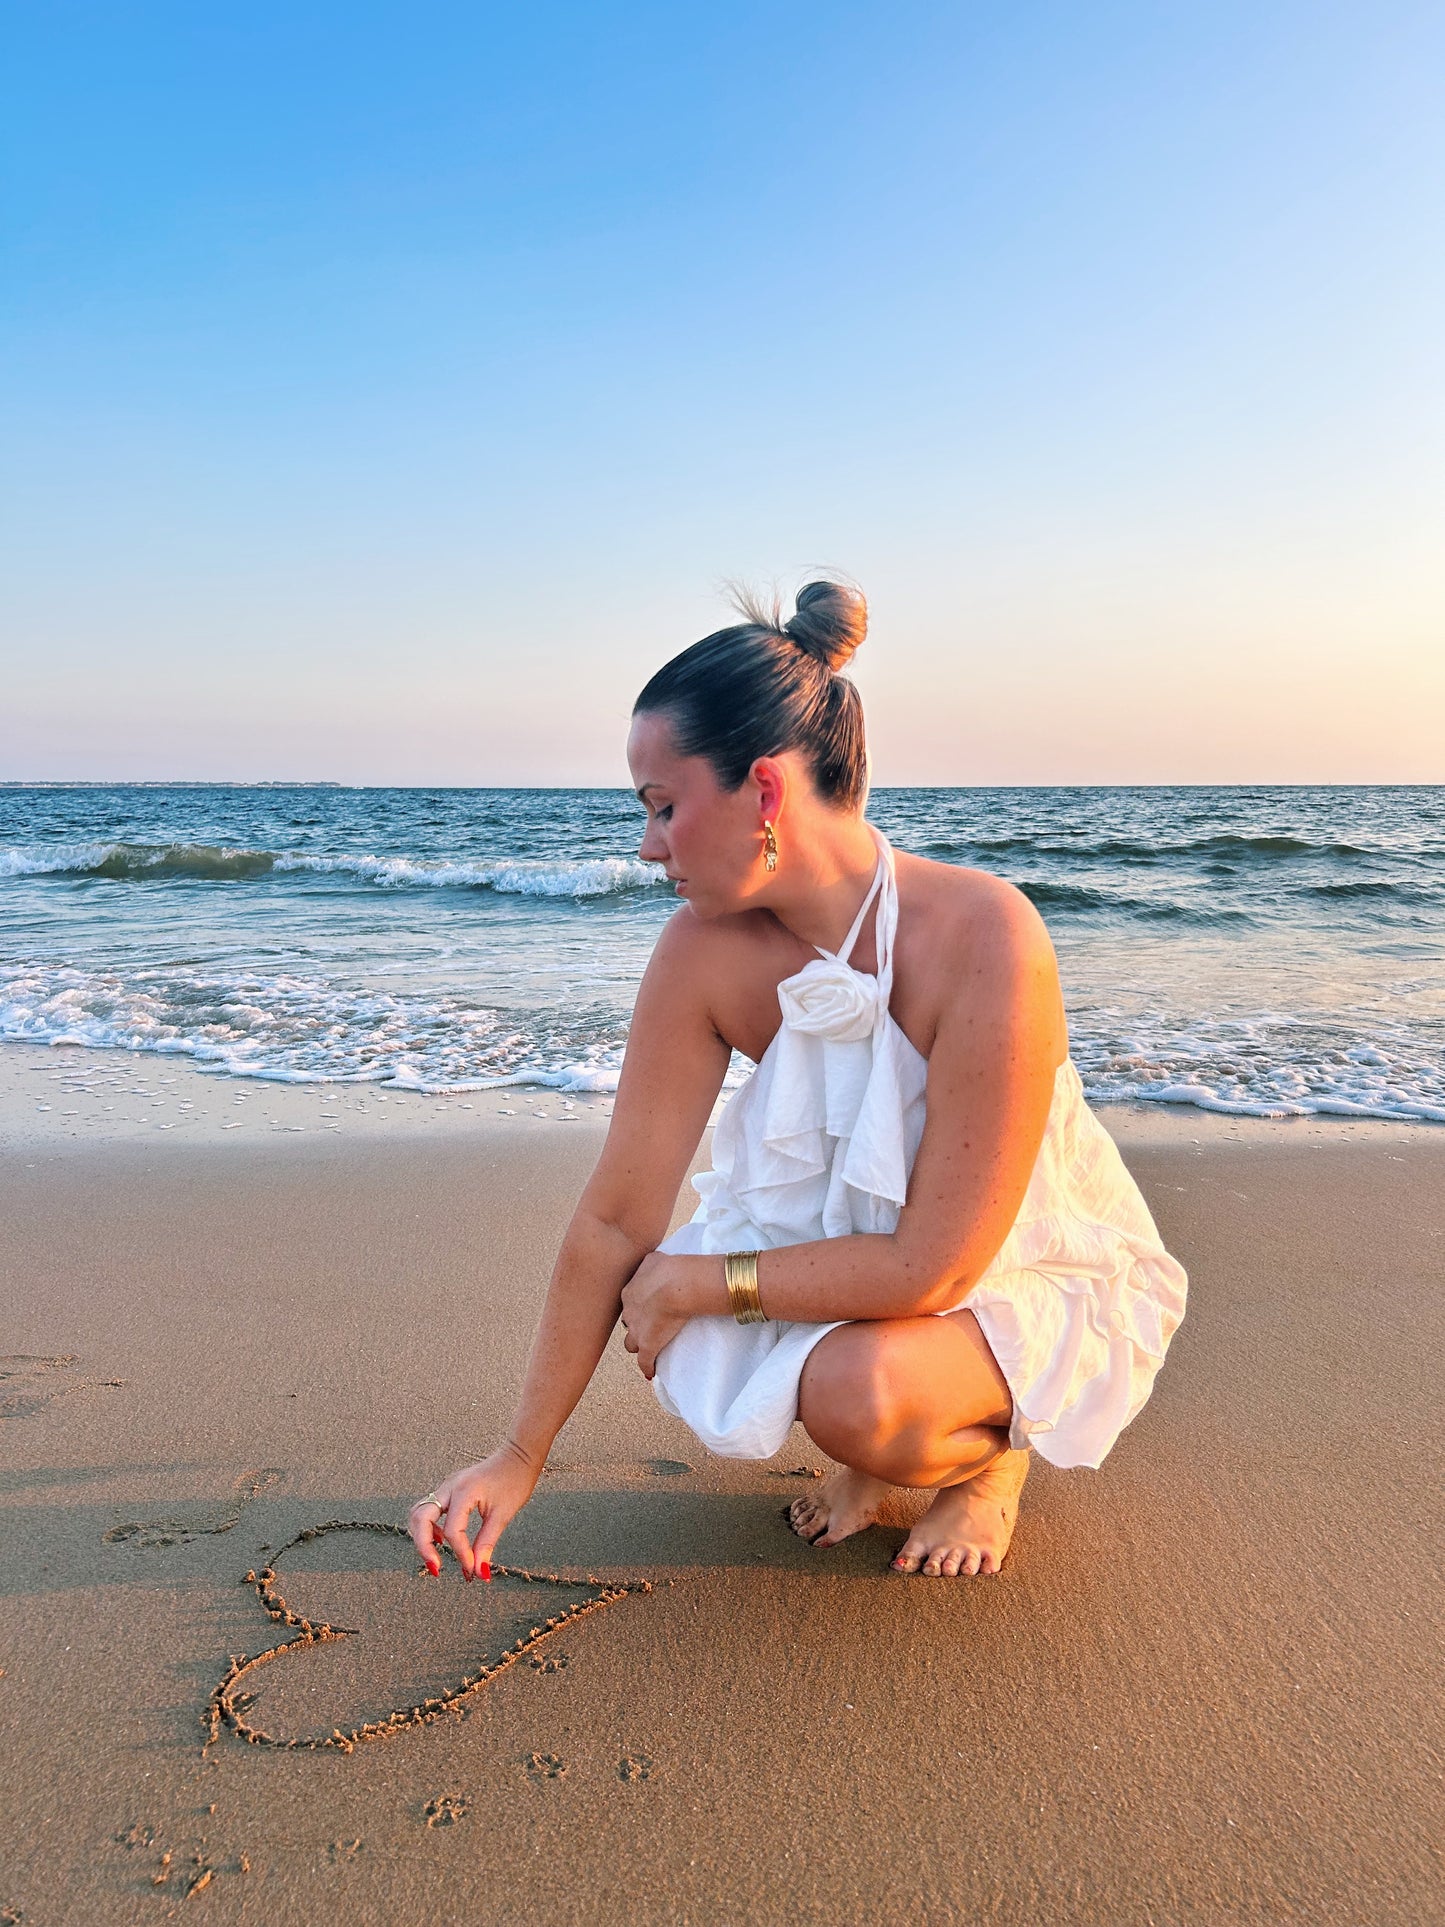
(487, 1570)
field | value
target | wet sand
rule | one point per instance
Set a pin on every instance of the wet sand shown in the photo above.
(1205, 1689)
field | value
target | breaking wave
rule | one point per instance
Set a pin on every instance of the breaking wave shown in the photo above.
(214, 863)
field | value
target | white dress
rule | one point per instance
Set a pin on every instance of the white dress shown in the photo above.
(1078, 1305)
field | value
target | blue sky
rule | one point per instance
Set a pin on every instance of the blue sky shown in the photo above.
(388, 390)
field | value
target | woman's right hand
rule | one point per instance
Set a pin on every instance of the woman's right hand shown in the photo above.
(497, 1487)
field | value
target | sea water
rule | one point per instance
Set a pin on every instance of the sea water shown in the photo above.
(1271, 951)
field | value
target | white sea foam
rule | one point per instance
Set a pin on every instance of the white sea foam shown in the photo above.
(1265, 1067)
(293, 1028)
(290, 1028)
(537, 877)
(53, 859)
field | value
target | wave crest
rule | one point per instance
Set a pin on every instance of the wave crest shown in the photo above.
(213, 863)
(528, 877)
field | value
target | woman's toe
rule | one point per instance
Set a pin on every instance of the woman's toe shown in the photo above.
(933, 1564)
(951, 1561)
(987, 1563)
(910, 1559)
(970, 1560)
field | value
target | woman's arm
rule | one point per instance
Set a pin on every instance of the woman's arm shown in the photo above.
(1001, 1036)
(671, 1074)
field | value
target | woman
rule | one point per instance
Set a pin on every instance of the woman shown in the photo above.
(934, 1291)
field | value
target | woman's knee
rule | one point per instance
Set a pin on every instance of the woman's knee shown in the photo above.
(852, 1396)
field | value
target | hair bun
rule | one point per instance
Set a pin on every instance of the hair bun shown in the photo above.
(830, 622)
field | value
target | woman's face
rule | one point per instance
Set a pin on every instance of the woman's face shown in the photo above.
(706, 838)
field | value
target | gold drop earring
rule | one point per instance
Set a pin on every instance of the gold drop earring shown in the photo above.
(770, 847)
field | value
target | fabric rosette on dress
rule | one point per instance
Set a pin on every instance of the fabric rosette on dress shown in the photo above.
(828, 998)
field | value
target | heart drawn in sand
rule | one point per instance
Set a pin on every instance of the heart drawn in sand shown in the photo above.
(232, 1701)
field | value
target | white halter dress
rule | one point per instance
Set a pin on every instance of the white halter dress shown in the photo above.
(1078, 1305)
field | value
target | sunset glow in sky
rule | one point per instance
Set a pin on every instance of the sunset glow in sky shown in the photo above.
(388, 391)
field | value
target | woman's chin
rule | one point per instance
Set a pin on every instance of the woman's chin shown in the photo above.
(698, 901)
(708, 903)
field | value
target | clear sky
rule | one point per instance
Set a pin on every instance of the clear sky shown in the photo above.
(387, 390)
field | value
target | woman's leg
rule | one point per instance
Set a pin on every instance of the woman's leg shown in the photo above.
(914, 1402)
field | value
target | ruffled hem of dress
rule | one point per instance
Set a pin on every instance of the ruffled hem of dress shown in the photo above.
(1140, 1297)
(1073, 1423)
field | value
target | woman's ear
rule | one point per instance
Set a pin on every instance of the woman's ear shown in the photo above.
(772, 781)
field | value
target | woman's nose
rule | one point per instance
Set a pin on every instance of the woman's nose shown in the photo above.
(652, 848)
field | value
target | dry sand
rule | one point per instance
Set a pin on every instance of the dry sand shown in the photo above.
(1206, 1688)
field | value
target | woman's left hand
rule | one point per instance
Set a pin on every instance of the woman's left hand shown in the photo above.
(656, 1304)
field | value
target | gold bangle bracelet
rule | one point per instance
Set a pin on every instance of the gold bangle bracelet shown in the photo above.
(740, 1269)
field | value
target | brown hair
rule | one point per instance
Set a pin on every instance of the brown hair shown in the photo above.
(765, 685)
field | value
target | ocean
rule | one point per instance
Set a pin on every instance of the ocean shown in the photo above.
(1267, 951)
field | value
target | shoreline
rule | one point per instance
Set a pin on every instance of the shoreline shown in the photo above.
(55, 1098)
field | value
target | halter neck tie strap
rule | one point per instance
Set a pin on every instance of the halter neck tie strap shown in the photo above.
(887, 917)
(845, 949)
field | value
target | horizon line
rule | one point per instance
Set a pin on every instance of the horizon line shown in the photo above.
(622, 789)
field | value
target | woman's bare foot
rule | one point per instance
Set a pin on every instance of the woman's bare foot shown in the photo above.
(846, 1502)
(968, 1527)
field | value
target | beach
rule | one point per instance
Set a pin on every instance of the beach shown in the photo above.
(464, 664)
(1206, 1687)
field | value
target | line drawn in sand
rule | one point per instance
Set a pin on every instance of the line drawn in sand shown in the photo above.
(230, 1703)
(30, 1382)
(179, 1532)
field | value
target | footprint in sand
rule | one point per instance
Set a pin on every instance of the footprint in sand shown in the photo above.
(545, 1766)
(411, 1651)
(549, 1662)
(633, 1767)
(28, 1383)
(191, 1871)
(149, 1533)
(445, 1810)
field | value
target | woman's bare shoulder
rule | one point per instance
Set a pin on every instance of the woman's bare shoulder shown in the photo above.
(969, 939)
(688, 941)
(712, 952)
(723, 964)
(958, 903)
